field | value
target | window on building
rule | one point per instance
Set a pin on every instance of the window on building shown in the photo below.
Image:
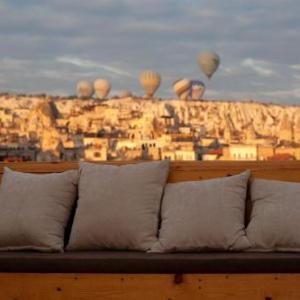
(97, 154)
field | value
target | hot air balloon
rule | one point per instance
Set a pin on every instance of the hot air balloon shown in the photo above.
(182, 88)
(197, 89)
(125, 94)
(102, 88)
(84, 89)
(150, 82)
(209, 63)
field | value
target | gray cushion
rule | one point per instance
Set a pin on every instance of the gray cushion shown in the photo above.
(118, 206)
(204, 215)
(275, 217)
(34, 209)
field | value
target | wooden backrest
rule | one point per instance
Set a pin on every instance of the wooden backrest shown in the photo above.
(185, 171)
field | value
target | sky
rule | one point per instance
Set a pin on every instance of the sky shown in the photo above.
(47, 46)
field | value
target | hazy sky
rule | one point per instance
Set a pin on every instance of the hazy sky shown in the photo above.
(46, 46)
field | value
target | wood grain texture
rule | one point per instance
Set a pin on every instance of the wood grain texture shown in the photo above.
(152, 287)
(187, 170)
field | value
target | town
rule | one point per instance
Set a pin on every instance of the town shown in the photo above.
(45, 128)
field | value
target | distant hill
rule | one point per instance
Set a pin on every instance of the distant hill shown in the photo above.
(56, 120)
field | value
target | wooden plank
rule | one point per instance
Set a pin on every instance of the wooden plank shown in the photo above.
(184, 170)
(152, 287)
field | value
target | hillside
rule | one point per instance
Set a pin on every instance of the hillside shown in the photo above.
(56, 121)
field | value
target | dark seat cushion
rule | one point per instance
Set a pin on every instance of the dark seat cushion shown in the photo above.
(138, 262)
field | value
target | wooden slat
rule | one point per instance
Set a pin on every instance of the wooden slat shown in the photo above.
(183, 171)
(152, 287)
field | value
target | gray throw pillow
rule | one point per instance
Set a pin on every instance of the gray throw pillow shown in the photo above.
(204, 215)
(275, 216)
(118, 206)
(34, 210)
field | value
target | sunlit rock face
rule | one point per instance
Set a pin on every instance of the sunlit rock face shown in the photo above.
(136, 122)
(240, 120)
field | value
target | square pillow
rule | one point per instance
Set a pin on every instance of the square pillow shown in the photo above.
(204, 215)
(275, 216)
(118, 206)
(35, 209)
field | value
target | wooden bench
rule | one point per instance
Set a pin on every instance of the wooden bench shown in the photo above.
(169, 286)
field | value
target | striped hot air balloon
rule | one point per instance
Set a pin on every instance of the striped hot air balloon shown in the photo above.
(102, 88)
(150, 82)
(197, 89)
(209, 63)
(84, 89)
(182, 88)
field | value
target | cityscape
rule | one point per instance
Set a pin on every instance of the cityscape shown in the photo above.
(138, 80)
(149, 149)
(45, 128)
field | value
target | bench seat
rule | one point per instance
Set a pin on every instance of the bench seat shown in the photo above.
(139, 262)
